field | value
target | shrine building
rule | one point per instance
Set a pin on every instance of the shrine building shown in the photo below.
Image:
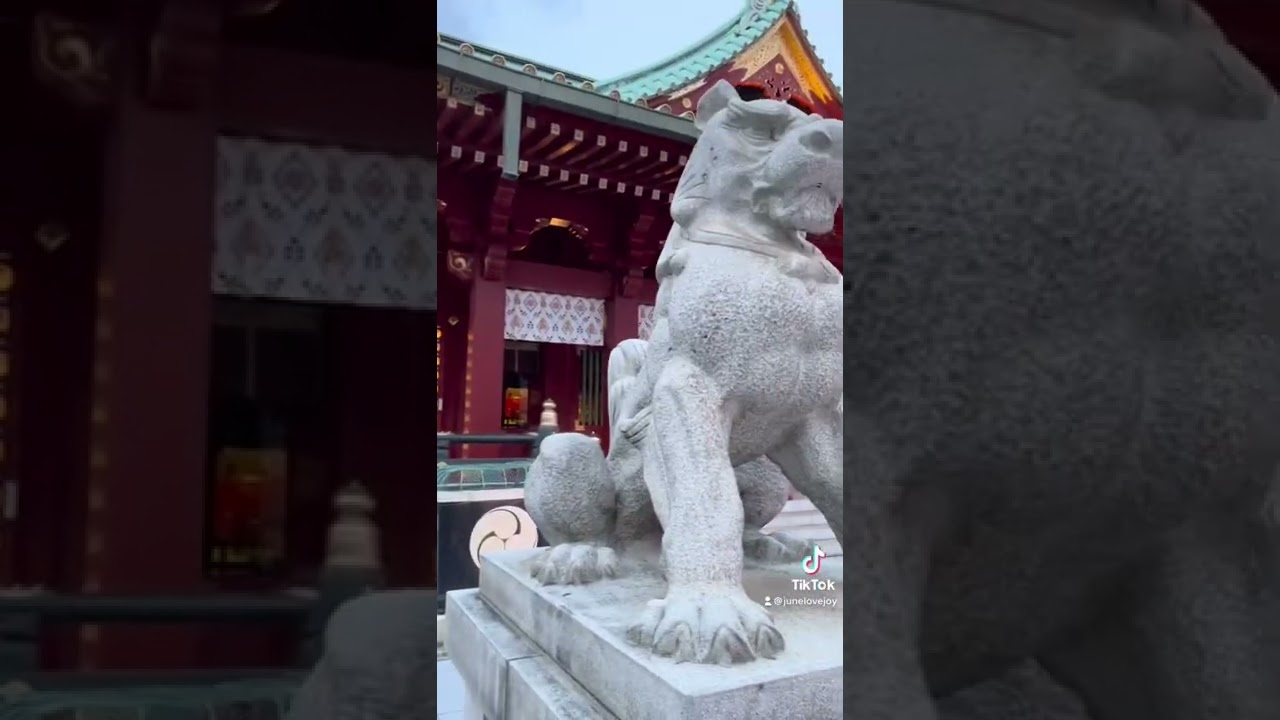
(217, 288)
(554, 192)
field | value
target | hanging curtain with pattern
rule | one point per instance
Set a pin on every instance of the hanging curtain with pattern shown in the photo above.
(325, 225)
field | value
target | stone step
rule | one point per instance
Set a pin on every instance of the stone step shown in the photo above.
(581, 630)
(507, 678)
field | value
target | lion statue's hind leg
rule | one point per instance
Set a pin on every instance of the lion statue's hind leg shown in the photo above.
(571, 497)
(764, 493)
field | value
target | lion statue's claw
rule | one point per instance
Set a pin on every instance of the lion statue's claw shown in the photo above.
(712, 626)
(574, 564)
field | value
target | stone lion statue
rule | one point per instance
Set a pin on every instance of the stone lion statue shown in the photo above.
(736, 392)
(1062, 366)
(378, 662)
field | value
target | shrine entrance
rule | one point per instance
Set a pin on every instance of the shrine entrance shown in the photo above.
(325, 298)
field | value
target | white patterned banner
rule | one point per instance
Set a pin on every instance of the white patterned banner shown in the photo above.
(548, 318)
(646, 322)
(321, 224)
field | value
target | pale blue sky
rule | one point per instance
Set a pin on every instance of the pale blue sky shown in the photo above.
(603, 39)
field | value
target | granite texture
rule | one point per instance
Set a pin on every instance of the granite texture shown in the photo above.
(1062, 244)
(378, 661)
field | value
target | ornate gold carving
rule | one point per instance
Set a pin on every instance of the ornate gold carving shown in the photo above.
(813, 79)
(52, 235)
(760, 53)
(450, 88)
(72, 57)
(784, 48)
(460, 265)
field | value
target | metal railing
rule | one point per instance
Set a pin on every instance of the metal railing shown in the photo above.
(489, 473)
(29, 691)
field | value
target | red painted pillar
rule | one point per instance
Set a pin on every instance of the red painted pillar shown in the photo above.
(382, 357)
(453, 321)
(145, 520)
(622, 312)
(482, 396)
(622, 320)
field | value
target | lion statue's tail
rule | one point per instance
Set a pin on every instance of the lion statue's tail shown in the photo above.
(625, 363)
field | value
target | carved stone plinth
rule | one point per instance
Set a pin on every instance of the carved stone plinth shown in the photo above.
(530, 651)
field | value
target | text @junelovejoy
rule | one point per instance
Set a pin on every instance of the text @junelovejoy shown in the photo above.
(802, 601)
(801, 593)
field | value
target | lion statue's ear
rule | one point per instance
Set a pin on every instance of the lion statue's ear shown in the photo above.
(713, 101)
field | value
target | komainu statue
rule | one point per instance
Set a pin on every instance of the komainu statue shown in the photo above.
(1062, 364)
(736, 391)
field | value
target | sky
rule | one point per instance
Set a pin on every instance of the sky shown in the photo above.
(603, 39)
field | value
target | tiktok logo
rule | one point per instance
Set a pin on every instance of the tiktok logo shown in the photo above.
(812, 562)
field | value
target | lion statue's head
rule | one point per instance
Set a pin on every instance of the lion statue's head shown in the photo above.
(762, 157)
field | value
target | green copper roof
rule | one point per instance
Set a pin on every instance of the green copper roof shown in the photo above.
(717, 49)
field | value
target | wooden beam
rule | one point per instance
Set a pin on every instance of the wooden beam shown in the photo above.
(273, 93)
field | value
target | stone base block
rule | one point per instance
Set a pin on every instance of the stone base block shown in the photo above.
(527, 651)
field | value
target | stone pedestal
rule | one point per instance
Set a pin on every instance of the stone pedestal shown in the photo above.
(526, 651)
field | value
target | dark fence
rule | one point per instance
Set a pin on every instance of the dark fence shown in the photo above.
(446, 442)
(28, 692)
(33, 692)
(459, 512)
(23, 620)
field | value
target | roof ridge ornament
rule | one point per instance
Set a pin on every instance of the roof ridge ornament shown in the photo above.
(755, 8)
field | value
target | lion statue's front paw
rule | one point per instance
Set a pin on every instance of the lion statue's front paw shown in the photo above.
(713, 626)
(775, 548)
(574, 564)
